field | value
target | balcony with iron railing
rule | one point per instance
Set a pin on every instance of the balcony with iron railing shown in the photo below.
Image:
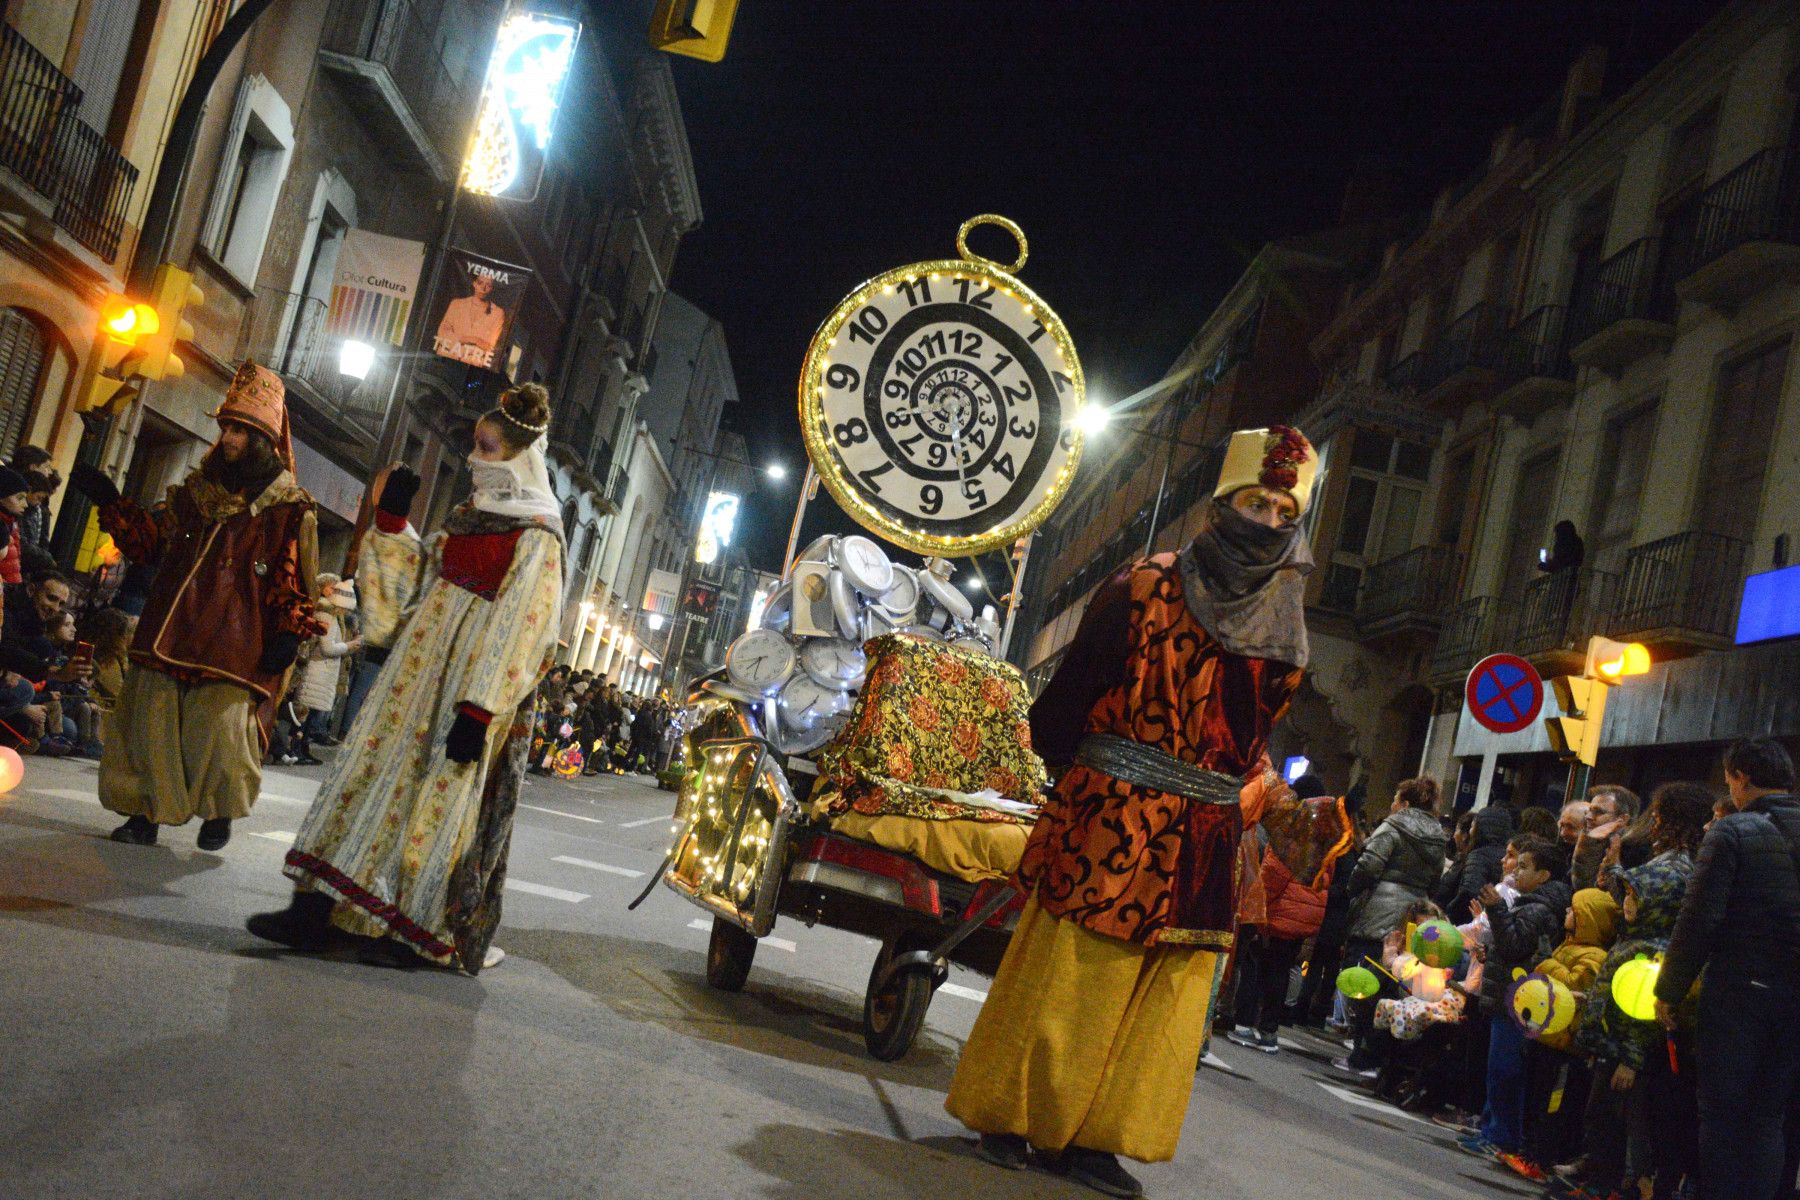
(1406, 593)
(86, 182)
(1680, 592)
(1557, 612)
(292, 335)
(1626, 310)
(1404, 374)
(1467, 636)
(389, 55)
(1535, 371)
(1463, 359)
(1747, 237)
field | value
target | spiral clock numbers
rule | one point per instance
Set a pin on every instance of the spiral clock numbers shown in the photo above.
(938, 403)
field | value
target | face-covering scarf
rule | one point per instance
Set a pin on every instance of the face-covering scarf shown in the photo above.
(1244, 583)
(518, 487)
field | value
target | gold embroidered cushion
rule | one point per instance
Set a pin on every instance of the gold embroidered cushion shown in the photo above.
(932, 721)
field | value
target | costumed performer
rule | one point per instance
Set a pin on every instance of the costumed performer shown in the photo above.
(407, 840)
(235, 549)
(1182, 665)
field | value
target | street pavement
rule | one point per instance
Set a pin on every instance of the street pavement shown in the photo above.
(153, 1048)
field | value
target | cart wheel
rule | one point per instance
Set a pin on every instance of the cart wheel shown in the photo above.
(893, 1015)
(728, 956)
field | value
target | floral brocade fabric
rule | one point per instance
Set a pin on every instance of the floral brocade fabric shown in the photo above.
(931, 721)
(1131, 862)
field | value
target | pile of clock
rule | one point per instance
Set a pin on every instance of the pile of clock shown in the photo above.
(802, 668)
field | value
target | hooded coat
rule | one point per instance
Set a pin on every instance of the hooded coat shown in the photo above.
(1576, 963)
(1401, 864)
(1604, 1030)
(1479, 867)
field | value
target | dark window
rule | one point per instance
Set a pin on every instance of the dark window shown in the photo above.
(22, 353)
(1732, 483)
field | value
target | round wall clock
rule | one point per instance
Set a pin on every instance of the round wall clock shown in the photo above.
(938, 403)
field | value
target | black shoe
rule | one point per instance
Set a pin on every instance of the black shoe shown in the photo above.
(307, 760)
(327, 741)
(136, 831)
(1006, 1150)
(1098, 1170)
(387, 952)
(305, 924)
(214, 833)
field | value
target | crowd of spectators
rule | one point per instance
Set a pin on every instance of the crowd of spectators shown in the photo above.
(1701, 1101)
(588, 726)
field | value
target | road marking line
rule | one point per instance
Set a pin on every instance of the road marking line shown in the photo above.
(778, 943)
(645, 821)
(1350, 1097)
(284, 836)
(538, 889)
(560, 813)
(591, 865)
(957, 989)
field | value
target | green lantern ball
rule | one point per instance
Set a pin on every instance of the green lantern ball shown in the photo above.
(1358, 983)
(1634, 988)
(1437, 943)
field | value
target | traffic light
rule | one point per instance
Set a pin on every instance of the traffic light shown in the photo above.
(1576, 734)
(696, 28)
(1610, 661)
(172, 292)
(125, 325)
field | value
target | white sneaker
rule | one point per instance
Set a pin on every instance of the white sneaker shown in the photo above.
(493, 958)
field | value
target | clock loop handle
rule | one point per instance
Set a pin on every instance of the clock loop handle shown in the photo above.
(1012, 227)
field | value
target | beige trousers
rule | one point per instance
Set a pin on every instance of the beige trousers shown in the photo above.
(174, 751)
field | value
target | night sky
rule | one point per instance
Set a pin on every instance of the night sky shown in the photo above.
(1147, 149)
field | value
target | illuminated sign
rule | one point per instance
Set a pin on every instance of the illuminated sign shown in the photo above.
(1296, 766)
(524, 88)
(1771, 606)
(715, 526)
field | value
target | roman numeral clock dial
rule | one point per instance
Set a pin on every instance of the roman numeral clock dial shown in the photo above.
(938, 403)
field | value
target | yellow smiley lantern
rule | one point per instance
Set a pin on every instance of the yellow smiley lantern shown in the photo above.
(1634, 987)
(1541, 1006)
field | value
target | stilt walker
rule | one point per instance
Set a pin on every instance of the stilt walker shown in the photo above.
(1161, 713)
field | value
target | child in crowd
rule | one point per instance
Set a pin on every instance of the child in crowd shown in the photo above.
(1555, 1079)
(110, 630)
(1523, 934)
(1636, 1066)
(79, 721)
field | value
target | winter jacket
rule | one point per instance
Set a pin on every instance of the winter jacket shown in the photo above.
(1604, 1030)
(1576, 963)
(1741, 914)
(319, 678)
(1524, 932)
(1479, 867)
(1401, 864)
(1295, 911)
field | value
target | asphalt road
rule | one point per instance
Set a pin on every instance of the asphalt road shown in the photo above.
(153, 1048)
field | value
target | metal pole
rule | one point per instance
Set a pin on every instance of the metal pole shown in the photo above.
(1018, 587)
(808, 488)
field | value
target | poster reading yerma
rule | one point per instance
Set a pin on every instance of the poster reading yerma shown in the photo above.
(480, 301)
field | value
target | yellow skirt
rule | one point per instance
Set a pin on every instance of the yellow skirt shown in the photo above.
(1086, 1040)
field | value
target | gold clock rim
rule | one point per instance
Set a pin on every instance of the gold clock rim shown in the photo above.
(830, 471)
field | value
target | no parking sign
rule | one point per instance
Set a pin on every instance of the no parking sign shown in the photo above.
(1505, 693)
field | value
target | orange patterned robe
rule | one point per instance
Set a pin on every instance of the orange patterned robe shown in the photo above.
(1129, 862)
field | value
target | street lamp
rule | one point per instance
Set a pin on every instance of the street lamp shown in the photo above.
(355, 358)
(775, 471)
(1093, 418)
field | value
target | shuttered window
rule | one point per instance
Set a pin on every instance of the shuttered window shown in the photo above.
(21, 370)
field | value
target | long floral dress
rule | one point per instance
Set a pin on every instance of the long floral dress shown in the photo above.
(411, 844)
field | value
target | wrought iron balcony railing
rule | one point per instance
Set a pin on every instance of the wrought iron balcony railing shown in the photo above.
(44, 142)
(1466, 636)
(1537, 346)
(1685, 583)
(1559, 610)
(1759, 200)
(396, 44)
(1472, 340)
(1631, 284)
(290, 334)
(1409, 586)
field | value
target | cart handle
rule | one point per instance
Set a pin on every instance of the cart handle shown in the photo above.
(938, 957)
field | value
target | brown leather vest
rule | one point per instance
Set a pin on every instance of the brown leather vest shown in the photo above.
(208, 609)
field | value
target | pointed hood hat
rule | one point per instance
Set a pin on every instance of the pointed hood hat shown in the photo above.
(257, 398)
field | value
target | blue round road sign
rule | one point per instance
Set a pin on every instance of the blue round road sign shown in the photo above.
(1505, 693)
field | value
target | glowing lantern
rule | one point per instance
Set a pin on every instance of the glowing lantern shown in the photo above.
(1358, 983)
(1438, 943)
(1634, 987)
(12, 769)
(1541, 1006)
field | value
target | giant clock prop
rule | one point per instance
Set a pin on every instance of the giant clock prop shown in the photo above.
(938, 403)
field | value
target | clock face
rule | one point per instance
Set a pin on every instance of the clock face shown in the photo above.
(938, 404)
(759, 659)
